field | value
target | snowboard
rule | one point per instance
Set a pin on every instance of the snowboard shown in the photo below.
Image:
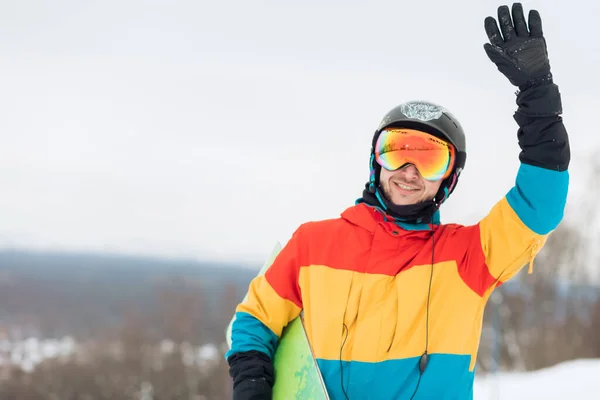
(297, 374)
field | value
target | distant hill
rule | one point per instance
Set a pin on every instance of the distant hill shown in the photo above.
(53, 293)
(99, 265)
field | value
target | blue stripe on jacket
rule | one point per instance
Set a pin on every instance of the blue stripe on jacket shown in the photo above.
(539, 197)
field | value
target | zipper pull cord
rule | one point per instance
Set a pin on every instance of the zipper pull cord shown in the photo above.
(533, 254)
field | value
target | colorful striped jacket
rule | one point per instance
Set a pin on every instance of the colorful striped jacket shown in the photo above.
(376, 294)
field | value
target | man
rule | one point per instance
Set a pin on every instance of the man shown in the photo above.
(393, 300)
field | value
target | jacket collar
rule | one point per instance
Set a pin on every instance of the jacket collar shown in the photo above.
(368, 217)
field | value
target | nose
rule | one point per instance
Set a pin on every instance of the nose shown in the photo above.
(410, 172)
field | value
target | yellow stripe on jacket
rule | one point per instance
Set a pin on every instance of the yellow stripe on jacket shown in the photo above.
(385, 315)
(507, 243)
(267, 306)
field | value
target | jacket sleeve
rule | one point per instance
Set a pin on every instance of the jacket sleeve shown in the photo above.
(517, 227)
(273, 301)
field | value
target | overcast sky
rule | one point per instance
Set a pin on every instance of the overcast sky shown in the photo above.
(213, 129)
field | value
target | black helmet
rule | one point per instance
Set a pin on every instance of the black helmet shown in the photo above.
(433, 119)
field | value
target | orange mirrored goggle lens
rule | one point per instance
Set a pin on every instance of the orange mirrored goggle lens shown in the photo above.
(433, 157)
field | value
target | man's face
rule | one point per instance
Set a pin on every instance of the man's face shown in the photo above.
(406, 186)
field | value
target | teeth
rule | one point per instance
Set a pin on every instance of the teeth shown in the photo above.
(404, 186)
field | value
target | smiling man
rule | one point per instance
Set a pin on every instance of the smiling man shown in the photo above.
(392, 299)
(405, 185)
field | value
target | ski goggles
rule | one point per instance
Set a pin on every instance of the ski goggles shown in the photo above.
(433, 157)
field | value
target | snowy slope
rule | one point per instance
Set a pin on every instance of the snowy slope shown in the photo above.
(573, 380)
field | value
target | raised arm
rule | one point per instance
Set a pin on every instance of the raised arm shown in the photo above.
(517, 227)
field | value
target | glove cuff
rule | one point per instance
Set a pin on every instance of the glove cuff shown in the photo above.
(536, 82)
(251, 365)
(542, 100)
(253, 389)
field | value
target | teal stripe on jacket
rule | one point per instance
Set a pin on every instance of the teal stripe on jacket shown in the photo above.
(447, 377)
(539, 197)
(248, 333)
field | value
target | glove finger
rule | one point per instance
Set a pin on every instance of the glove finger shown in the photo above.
(535, 24)
(492, 31)
(519, 20)
(506, 25)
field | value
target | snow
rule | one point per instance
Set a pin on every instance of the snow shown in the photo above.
(28, 353)
(578, 379)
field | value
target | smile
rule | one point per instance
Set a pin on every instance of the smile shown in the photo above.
(405, 187)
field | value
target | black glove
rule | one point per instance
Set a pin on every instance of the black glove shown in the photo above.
(253, 376)
(519, 53)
